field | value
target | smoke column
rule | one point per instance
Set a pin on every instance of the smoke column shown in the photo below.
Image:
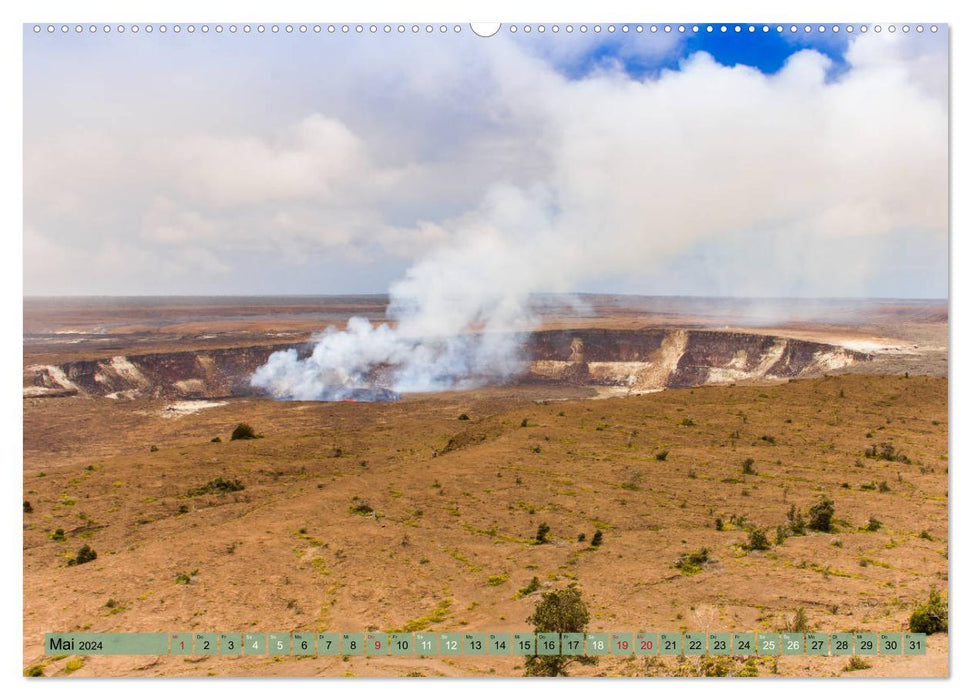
(460, 317)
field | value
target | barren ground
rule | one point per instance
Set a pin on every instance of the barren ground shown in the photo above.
(456, 505)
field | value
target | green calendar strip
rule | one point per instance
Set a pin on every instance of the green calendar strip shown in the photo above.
(486, 644)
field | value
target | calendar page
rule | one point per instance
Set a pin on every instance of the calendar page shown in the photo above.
(414, 349)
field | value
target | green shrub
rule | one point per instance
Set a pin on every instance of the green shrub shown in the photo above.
(687, 422)
(542, 533)
(757, 540)
(886, 451)
(525, 423)
(930, 617)
(857, 664)
(243, 431)
(873, 524)
(36, 671)
(821, 515)
(58, 535)
(799, 622)
(83, 556)
(217, 485)
(184, 579)
(750, 669)
(582, 537)
(712, 667)
(359, 506)
(797, 524)
(464, 416)
(597, 540)
(661, 456)
(28, 508)
(530, 587)
(153, 448)
(747, 466)
(719, 524)
(692, 562)
(216, 439)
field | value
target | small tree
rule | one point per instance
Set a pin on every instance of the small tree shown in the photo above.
(821, 515)
(560, 611)
(542, 533)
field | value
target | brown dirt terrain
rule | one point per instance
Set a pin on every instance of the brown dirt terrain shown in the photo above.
(456, 505)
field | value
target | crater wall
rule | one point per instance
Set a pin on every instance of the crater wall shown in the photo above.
(639, 360)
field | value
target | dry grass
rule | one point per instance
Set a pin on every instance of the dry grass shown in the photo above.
(480, 506)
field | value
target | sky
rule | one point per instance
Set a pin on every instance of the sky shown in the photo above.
(712, 164)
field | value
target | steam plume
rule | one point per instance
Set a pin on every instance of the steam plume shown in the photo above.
(459, 315)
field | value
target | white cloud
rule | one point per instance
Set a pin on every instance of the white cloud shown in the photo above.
(497, 166)
(318, 158)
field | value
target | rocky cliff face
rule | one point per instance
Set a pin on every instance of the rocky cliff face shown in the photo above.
(645, 360)
(657, 358)
(204, 374)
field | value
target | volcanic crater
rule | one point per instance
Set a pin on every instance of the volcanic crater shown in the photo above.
(606, 359)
